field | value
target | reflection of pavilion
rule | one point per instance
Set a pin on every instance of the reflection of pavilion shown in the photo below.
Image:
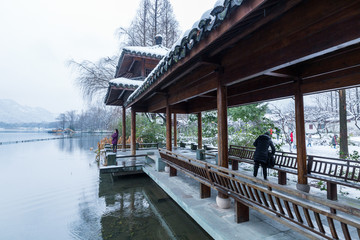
(243, 52)
(138, 208)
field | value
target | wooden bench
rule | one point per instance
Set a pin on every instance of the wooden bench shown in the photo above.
(333, 171)
(284, 162)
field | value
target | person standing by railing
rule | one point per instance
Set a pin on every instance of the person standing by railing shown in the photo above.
(114, 141)
(334, 141)
(261, 155)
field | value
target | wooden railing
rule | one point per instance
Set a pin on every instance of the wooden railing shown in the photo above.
(140, 145)
(312, 216)
(331, 170)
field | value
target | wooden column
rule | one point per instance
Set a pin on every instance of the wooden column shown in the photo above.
(173, 171)
(222, 127)
(199, 131)
(133, 132)
(300, 138)
(123, 128)
(175, 131)
(168, 128)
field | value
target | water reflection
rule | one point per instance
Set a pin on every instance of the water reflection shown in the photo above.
(51, 190)
(83, 141)
(138, 209)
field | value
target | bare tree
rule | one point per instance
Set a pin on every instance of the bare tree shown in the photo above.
(169, 25)
(71, 118)
(93, 78)
(152, 18)
(62, 120)
(354, 105)
(286, 119)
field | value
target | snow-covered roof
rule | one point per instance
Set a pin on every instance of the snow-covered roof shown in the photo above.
(209, 21)
(122, 82)
(157, 51)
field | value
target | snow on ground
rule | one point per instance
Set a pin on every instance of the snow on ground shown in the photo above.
(345, 193)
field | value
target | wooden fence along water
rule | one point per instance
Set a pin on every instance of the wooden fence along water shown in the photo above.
(312, 216)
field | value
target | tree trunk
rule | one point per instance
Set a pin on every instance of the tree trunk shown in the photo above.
(344, 152)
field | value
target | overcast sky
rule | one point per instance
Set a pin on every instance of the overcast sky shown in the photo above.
(39, 36)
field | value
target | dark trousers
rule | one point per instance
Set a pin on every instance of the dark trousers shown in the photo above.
(114, 147)
(256, 168)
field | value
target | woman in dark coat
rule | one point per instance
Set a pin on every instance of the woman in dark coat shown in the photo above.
(114, 141)
(261, 154)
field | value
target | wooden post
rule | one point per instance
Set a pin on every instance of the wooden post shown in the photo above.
(300, 139)
(199, 131)
(222, 129)
(331, 191)
(173, 171)
(168, 128)
(133, 132)
(175, 131)
(123, 128)
(205, 191)
(281, 177)
(241, 212)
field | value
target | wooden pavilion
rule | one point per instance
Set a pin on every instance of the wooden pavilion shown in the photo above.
(135, 64)
(248, 51)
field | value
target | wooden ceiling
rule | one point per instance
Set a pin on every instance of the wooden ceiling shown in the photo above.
(264, 51)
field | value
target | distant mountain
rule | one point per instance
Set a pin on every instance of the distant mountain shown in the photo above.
(12, 112)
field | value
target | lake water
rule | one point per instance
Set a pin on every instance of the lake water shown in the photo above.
(52, 190)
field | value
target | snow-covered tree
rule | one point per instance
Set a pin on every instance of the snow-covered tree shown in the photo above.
(285, 121)
(153, 17)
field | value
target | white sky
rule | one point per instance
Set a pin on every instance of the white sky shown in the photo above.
(39, 36)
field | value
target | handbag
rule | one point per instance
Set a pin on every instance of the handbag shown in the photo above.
(271, 160)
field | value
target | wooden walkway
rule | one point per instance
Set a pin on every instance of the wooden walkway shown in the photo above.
(312, 216)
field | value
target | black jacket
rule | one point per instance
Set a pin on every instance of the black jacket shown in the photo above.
(262, 144)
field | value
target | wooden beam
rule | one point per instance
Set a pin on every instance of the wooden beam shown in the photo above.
(156, 104)
(300, 135)
(276, 92)
(133, 132)
(191, 79)
(340, 19)
(199, 131)
(202, 104)
(139, 108)
(242, 14)
(259, 83)
(204, 86)
(123, 129)
(331, 82)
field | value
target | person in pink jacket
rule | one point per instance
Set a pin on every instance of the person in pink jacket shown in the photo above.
(115, 137)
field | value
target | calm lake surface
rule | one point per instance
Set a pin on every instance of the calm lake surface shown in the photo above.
(52, 190)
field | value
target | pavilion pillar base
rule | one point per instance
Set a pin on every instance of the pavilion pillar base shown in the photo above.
(303, 187)
(167, 169)
(223, 203)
